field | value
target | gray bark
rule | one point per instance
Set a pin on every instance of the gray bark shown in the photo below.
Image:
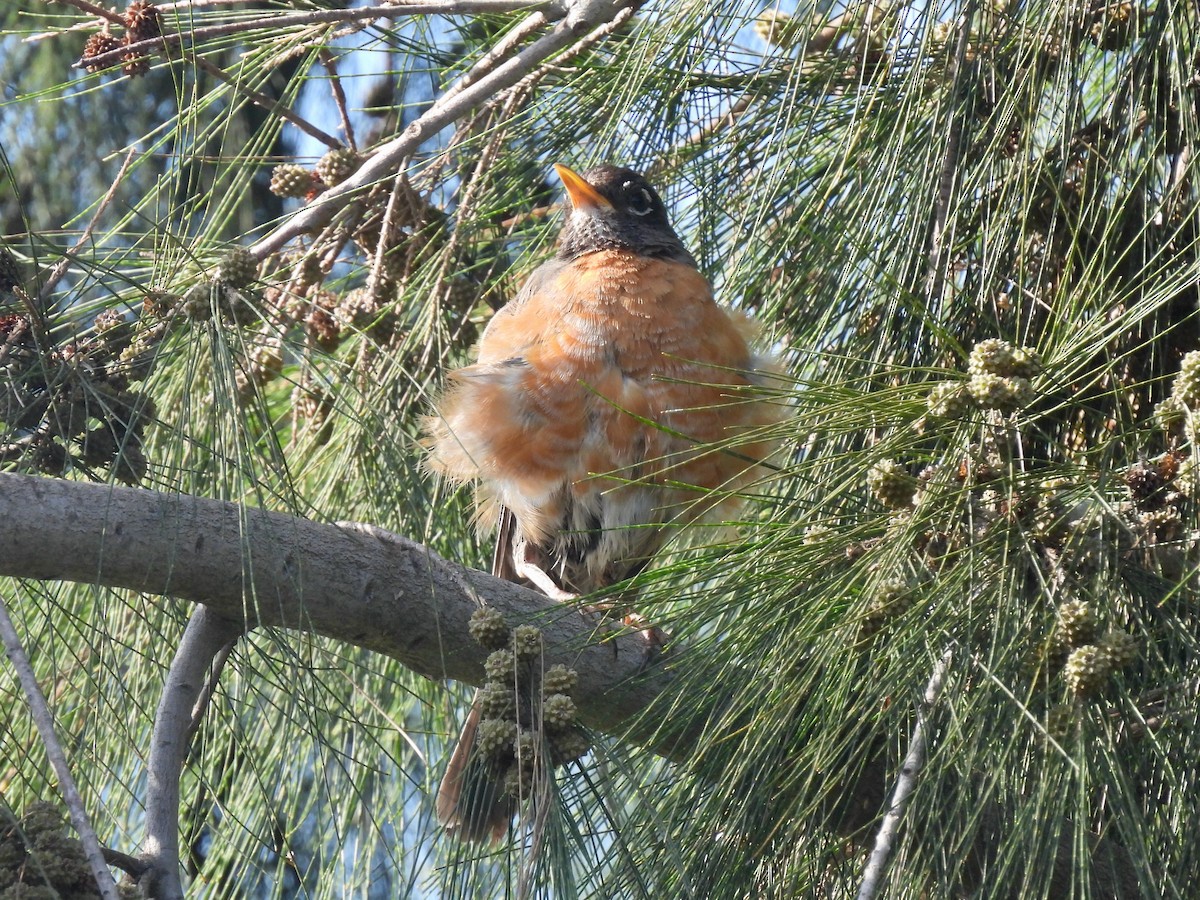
(353, 583)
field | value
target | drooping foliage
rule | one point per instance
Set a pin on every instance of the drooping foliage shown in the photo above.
(970, 230)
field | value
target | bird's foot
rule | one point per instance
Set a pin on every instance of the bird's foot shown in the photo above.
(654, 639)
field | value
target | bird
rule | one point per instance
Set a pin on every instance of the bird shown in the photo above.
(612, 400)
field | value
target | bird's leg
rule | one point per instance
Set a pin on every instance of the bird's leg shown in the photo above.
(654, 639)
(527, 564)
(540, 579)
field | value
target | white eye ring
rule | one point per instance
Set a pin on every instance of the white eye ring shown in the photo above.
(647, 200)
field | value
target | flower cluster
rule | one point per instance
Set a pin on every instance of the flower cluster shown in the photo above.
(70, 404)
(999, 376)
(525, 710)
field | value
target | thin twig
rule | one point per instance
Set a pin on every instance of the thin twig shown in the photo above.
(191, 5)
(210, 686)
(383, 9)
(823, 39)
(35, 306)
(538, 212)
(1175, 183)
(906, 782)
(589, 40)
(489, 114)
(498, 52)
(268, 103)
(483, 161)
(934, 276)
(60, 267)
(339, 96)
(387, 229)
(482, 67)
(364, 14)
(390, 157)
(98, 11)
(44, 721)
(697, 139)
(817, 44)
(131, 865)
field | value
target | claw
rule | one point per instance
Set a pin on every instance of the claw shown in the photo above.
(654, 639)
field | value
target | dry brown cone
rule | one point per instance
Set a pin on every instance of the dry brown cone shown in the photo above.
(323, 328)
(97, 45)
(135, 64)
(365, 309)
(143, 21)
(410, 205)
(369, 230)
(310, 407)
(306, 273)
(319, 321)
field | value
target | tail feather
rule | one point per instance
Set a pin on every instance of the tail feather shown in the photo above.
(471, 802)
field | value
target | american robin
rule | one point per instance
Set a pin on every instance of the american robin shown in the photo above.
(611, 399)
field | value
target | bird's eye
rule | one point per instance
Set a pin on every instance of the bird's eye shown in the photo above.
(639, 200)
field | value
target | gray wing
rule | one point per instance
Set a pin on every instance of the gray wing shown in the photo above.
(539, 277)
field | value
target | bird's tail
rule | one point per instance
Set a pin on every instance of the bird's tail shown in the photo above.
(471, 802)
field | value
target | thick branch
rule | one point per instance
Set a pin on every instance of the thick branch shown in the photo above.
(207, 638)
(356, 584)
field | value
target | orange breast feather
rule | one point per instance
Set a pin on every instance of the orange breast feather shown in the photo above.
(584, 378)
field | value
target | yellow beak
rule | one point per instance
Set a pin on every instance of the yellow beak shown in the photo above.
(581, 192)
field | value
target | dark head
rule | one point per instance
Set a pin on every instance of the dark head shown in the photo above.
(616, 209)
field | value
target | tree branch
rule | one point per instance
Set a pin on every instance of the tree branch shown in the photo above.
(44, 720)
(581, 16)
(361, 15)
(267, 103)
(98, 11)
(130, 865)
(185, 693)
(354, 583)
(59, 269)
(906, 783)
(329, 61)
(361, 585)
